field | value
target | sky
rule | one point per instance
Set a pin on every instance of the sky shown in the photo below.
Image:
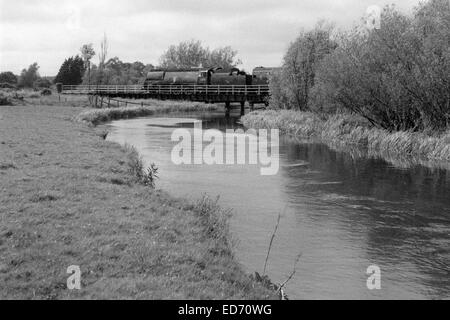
(48, 31)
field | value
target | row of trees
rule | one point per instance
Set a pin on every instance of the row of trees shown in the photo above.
(28, 78)
(397, 76)
(188, 54)
(115, 71)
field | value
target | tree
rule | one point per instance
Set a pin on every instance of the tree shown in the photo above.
(118, 72)
(184, 55)
(397, 77)
(42, 83)
(71, 71)
(8, 77)
(29, 76)
(103, 51)
(87, 52)
(101, 59)
(192, 54)
(224, 57)
(278, 94)
(297, 77)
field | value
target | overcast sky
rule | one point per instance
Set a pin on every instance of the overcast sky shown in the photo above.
(48, 31)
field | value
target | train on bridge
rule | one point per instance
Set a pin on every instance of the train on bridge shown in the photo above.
(208, 85)
(211, 76)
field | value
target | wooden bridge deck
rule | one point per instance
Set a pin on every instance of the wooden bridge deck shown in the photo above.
(207, 93)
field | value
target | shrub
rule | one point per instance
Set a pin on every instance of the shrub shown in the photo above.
(215, 225)
(149, 177)
(5, 85)
(5, 101)
(136, 169)
(33, 96)
(46, 92)
(42, 83)
(135, 163)
(8, 77)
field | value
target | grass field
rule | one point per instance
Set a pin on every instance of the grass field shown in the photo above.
(34, 98)
(67, 198)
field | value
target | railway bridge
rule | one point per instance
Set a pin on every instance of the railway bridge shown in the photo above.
(253, 94)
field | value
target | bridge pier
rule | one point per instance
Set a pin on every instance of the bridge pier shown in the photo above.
(227, 108)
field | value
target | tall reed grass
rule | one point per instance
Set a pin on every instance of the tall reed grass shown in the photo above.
(349, 129)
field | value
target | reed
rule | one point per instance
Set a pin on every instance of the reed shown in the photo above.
(303, 124)
(344, 130)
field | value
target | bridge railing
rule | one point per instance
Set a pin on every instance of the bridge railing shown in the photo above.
(168, 89)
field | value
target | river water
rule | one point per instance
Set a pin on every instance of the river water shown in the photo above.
(340, 212)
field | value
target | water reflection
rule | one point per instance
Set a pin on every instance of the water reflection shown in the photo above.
(403, 216)
(344, 213)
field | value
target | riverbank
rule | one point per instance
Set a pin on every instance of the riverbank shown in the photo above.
(340, 131)
(152, 107)
(67, 198)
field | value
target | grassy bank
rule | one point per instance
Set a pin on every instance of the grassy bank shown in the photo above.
(344, 130)
(67, 197)
(97, 116)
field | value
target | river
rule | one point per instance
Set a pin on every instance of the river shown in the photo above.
(340, 212)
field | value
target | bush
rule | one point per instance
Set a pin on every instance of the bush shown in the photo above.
(46, 92)
(5, 101)
(8, 77)
(42, 83)
(150, 176)
(136, 169)
(5, 85)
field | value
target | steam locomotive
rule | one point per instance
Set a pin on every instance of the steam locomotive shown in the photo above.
(211, 76)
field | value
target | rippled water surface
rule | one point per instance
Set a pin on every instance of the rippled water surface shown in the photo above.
(341, 213)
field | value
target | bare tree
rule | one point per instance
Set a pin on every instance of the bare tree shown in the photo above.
(102, 57)
(87, 52)
(300, 63)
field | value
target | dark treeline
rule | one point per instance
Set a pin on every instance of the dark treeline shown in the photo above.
(397, 77)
